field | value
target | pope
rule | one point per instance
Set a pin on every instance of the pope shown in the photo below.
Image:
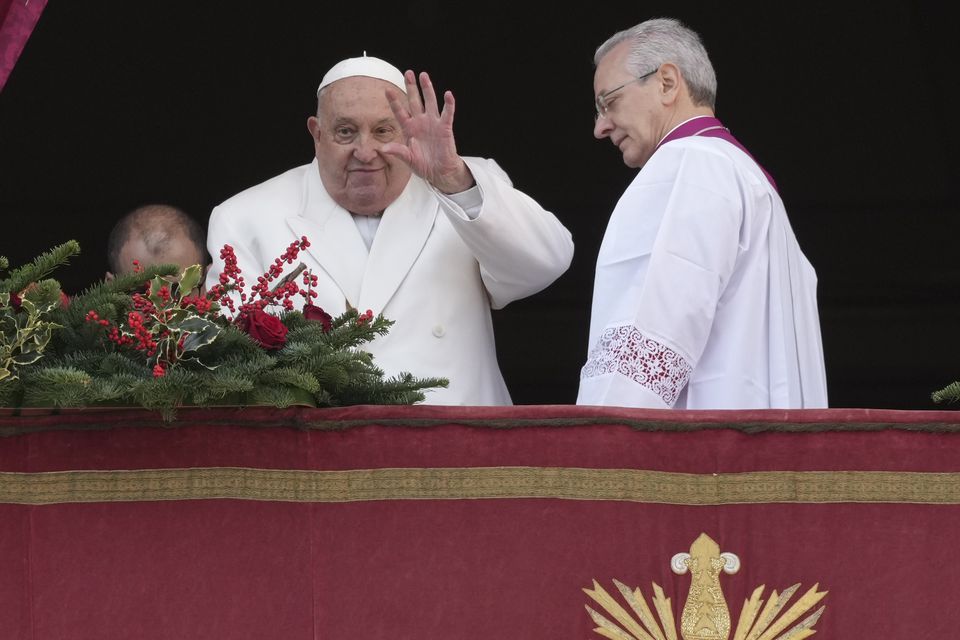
(400, 223)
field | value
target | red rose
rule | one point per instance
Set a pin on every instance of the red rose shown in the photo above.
(313, 312)
(266, 329)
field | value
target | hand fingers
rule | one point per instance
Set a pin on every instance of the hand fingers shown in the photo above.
(398, 105)
(429, 94)
(397, 150)
(413, 93)
(449, 107)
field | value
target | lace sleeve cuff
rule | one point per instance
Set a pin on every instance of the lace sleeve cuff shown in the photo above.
(624, 350)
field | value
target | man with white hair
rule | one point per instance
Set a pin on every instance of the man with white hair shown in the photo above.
(401, 224)
(702, 297)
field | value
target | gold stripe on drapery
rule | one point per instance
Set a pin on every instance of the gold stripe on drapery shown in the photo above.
(357, 485)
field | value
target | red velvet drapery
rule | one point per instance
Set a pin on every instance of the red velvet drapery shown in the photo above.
(467, 523)
(17, 20)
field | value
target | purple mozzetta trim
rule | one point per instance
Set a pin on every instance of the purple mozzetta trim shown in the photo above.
(708, 126)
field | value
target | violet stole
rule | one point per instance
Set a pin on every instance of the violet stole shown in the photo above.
(709, 126)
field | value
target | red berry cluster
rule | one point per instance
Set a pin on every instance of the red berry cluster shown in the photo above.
(141, 338)
(365, 317)
(309, 281)
(143, 304)
(146, 330)
(200, 303)
(263, 293)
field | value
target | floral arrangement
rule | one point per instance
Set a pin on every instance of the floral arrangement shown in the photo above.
(153, 339)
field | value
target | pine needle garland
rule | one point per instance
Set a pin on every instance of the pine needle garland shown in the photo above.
(950, 393)
(147, 339)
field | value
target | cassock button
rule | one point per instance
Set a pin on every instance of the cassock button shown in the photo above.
(439, 331)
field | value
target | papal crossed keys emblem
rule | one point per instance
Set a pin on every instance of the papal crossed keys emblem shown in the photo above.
(705, 615)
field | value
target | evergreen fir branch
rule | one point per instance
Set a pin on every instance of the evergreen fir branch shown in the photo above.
(166, 393)
(126, 283)
(86, 361)
(119, 364)
(231, 380)
(42, 266)
(348, 333)
(43, 295)
(232, 343)
(301, 350)
(11, 392)
(400, 389)
(77, 334)
(950, 393)
(57, 387)
(279, 396)
(290, 378)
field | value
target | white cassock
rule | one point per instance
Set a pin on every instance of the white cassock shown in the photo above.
(702, 297)
(428, 265)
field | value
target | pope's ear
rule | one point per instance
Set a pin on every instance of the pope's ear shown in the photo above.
(313, 126)
(108, 276)
(670, 81)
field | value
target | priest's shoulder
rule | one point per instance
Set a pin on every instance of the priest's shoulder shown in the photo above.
(690, 157)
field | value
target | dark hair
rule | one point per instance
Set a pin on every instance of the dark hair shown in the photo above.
(157, 225)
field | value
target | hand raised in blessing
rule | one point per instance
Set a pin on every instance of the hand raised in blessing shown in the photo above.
(430, 149)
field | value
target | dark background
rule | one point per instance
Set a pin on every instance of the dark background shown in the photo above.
(851, 108)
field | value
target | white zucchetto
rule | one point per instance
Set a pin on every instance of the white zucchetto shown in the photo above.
(367, 66)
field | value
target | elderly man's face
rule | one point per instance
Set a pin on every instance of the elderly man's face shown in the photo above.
(354, 122)
(635, 116)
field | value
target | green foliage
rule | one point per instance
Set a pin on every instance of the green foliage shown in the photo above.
(950, 393)
(205, 358)
(42, 266)
(26, 300)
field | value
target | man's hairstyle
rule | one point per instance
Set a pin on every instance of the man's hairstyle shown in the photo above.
(158, 225)
(661, 40)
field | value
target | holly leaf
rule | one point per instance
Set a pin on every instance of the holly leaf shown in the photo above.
(190, 278)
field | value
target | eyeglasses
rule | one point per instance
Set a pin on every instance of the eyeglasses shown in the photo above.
(602, 102)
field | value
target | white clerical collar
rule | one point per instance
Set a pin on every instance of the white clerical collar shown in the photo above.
(367, 226)
(680, 124)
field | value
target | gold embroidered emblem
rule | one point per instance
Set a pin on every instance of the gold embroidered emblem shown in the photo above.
(705, 615)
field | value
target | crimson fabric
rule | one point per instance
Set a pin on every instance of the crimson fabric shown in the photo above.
(17, 20)
(459, 568)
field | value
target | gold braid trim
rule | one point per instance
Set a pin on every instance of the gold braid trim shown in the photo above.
(359, 485)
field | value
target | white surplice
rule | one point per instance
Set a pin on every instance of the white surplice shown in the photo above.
(702, 297)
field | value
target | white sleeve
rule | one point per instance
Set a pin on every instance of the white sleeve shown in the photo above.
(470, 201)
(521, 248)
(645, 353)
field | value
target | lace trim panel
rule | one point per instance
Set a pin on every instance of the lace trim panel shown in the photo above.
(626, 351)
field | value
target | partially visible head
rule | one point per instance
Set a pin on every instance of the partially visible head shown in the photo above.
(155, 234)
(353, 122)
(652, 76)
